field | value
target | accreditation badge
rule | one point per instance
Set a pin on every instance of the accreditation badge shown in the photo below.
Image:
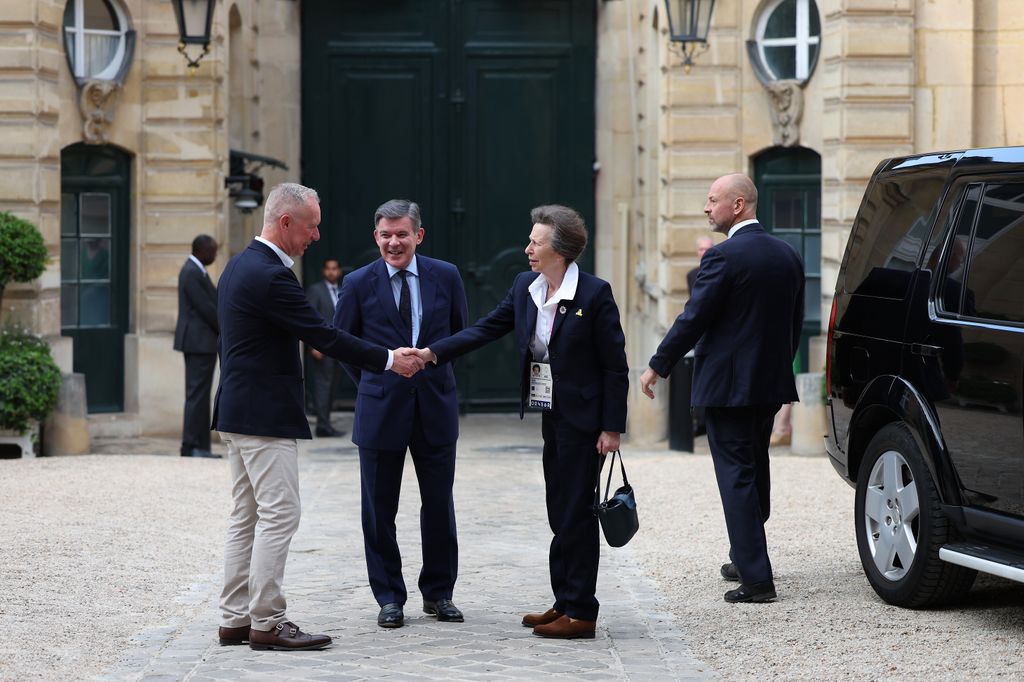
(542, 395)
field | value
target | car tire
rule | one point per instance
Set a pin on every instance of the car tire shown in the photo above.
(901, 526)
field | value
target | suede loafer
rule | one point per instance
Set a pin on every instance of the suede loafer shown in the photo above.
(532, 620)
(567, 628)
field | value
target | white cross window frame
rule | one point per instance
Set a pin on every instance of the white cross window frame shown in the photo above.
(801, 41)
(79, 32)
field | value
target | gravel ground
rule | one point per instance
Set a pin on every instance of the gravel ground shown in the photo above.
(828, 623)
(99, 549)
(96, 549)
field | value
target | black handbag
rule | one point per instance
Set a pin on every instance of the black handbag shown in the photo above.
(617, 514)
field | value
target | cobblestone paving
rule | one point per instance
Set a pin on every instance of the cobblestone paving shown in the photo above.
(503, 573)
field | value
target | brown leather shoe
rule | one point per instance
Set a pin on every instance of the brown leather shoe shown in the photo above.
(286, 637)
(532, 620)
(233, 636)
(567, 628)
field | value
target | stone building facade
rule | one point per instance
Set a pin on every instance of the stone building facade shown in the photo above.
(886, 77)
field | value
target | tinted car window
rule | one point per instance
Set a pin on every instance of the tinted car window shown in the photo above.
(952, 284)
(995, 271)
(890, 230)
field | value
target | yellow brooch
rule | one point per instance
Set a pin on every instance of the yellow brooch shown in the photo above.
(579, 312)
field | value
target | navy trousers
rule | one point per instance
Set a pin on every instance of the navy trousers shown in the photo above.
(195, 432)
(571, 466)
(381, 475)
(739, 438)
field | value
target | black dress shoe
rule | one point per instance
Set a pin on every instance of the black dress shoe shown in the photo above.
(729, 572)
(328, 432)
(444, 609)
(757, 593)
(205, 453)
(391, 616)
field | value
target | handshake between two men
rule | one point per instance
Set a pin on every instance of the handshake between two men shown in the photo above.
(409, 361)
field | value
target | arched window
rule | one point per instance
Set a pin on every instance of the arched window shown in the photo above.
(97, 39)
(787, 40)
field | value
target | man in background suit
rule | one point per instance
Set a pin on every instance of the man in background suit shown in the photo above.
(403, 299)
(263, 313)
(326, 371)
(195, 335)
(704, 242)
(743, 322)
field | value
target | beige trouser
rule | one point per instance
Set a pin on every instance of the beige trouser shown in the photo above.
(264, 517)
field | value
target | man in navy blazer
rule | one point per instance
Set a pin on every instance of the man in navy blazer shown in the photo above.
(263, 312)
(405, 299)
(743, 323)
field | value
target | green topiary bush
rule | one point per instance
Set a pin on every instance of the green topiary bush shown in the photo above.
(29, 380)
(22, 251)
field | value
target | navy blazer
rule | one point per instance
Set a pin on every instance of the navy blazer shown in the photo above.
(743, 322)
(196, 329)
(263, 312)
(386, 403)
(587, 350)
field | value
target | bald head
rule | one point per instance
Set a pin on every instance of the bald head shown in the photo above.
(731, 199)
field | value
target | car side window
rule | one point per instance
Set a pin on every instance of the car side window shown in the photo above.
(951, 284)
(889, 233)
(995, 269)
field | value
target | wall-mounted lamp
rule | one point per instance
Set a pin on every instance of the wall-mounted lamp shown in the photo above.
(688, 25)
(195, 19)
(244, 185)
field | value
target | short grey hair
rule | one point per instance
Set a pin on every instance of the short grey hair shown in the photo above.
(568, 231)
(285, 198)
(398, 208)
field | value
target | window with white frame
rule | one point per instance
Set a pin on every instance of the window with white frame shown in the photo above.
(95, 38)
(788, 38)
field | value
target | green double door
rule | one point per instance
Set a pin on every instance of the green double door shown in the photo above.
(788, 182)
(476, 109)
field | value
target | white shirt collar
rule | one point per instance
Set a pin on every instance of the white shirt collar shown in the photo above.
(735, 228)
(198, 262)
(566, 292)
(285, 258)
(412, 268)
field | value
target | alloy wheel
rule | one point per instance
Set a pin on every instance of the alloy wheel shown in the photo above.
(891, 515)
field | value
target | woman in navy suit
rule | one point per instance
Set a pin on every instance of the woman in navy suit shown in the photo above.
(565, 321)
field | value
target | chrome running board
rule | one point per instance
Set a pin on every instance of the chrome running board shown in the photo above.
(985, 558)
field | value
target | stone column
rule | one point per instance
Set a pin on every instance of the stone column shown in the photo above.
(179, 191)
(31, 64)
(868, 51)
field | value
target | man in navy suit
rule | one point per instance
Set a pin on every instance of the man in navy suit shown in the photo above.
(743, 322)
(263, 312)
(404, 299)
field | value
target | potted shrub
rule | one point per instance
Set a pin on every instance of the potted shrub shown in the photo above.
(29, 378)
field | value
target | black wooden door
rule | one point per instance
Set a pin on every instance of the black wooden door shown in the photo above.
(477, 109)
(94, 268)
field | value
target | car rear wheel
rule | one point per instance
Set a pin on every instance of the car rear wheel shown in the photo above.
(901, 526)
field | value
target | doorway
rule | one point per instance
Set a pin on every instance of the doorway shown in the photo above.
(788, 181)
(94, 240)
(478, 110)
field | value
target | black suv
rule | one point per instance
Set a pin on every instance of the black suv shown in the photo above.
(925, 373)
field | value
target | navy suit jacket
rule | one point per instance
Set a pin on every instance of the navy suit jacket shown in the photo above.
(587, 350)
(743, 322)
(263, 312)
(386, 404)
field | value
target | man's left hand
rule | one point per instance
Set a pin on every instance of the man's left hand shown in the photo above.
(607, 442)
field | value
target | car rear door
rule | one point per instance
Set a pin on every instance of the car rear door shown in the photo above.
(968, 362)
